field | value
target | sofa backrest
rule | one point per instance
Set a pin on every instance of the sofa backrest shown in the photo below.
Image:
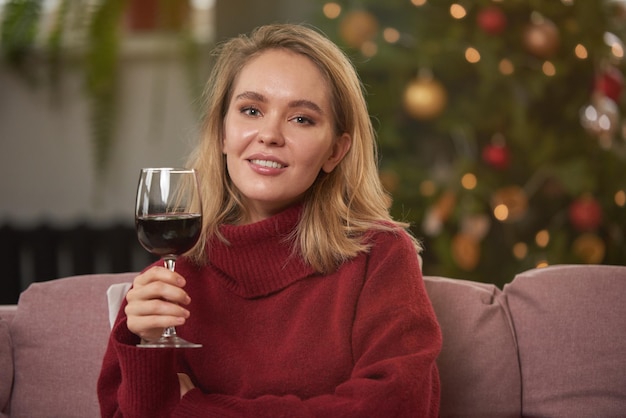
(53, 319)
(566, 322)
(478, 365)
(570, 324)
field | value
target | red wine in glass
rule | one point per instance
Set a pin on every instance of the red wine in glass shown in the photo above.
(163, 234)
(168, 220)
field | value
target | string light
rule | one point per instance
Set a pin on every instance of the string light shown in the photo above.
(391, 35)
(620, 198)
(548, 69)
(469, 181)
(542, 238)
(520, 250)
(506, 67)
(581, 52)
(501, 212)
(615, 44)
(457, 11)
(472, 55)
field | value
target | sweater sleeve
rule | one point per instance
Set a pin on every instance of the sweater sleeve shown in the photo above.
(134, 381)
(396, 340)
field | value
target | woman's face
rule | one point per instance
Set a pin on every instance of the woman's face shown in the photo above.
(278, 132)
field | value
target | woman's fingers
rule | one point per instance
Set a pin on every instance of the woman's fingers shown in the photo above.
(160, 274)
(156, 307)
(159, 283)
(150, 327)
(154, 302)
(158, 290)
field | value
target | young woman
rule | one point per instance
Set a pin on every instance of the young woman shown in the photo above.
(306, 296)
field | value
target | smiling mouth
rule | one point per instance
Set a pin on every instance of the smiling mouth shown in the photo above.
(266, 163)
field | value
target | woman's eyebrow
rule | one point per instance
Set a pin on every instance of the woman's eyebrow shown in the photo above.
(306, 104)
(251, 95)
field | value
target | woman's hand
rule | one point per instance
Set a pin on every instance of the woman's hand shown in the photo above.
(154, 303)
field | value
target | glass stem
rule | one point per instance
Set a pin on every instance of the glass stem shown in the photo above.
(169, 332)
(170, 263)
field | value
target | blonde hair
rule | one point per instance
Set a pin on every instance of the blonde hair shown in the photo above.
(340, 206)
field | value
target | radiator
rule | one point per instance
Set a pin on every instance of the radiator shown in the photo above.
(48, 252)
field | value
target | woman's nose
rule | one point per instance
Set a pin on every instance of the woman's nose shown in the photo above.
(270, 132)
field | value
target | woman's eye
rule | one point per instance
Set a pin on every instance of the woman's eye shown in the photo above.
(303, 120)
(250, 111)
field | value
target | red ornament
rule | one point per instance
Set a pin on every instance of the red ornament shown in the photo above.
(585, 213)
(492, 20)
(610, 83)
(497, 156)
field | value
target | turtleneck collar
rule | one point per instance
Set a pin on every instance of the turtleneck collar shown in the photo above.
(258, 260)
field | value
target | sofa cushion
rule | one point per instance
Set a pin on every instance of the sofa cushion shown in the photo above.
(6, 366)
(570, 326)
(60, 327)
(478, 364)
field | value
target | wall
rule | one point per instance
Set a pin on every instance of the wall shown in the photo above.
(46, 158)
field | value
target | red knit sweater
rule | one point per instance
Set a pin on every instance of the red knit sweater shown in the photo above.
(280, 340)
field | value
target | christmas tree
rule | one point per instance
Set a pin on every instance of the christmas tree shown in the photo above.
(499, 126)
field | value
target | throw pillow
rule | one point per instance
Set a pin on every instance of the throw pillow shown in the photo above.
(569, 321)
(478, 365)
(115, 296)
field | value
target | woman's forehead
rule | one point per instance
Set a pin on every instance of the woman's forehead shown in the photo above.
(280, 73)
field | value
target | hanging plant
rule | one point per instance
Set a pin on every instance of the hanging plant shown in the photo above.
(19, 30)
(99, 28)
(101, 76)
(18, 33)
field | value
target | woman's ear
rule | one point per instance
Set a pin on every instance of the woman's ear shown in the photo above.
(340, 149)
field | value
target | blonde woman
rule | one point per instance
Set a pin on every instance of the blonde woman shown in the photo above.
(306, 296)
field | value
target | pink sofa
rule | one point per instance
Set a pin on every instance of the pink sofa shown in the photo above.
(552, 343)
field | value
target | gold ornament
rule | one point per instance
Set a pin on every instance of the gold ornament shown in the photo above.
(541, 38)
(465, 251)
(425, 98)
(589, 248)
(358, 27)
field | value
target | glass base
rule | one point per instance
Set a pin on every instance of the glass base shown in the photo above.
(171, 341)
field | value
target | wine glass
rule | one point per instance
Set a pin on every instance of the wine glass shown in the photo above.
(168, 220)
